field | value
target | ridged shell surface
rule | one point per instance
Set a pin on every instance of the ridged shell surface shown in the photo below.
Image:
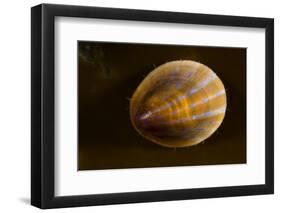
(179, 104)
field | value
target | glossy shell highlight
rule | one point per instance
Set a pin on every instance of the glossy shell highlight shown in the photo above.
(179, 104)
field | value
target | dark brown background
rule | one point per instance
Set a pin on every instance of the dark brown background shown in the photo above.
(109, 73)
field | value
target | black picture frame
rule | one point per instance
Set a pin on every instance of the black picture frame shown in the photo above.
(43, 117)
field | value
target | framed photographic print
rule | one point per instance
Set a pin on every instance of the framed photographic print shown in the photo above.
(139, 106)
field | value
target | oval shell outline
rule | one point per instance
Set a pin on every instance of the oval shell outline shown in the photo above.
(178, 104)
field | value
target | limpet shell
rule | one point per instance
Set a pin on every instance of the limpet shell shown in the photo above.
(179, 104)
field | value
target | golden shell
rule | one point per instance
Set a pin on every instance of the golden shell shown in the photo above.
(179, 104)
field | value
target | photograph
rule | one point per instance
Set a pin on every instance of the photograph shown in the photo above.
(160, 105)
(140, 106)
(143, 105)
